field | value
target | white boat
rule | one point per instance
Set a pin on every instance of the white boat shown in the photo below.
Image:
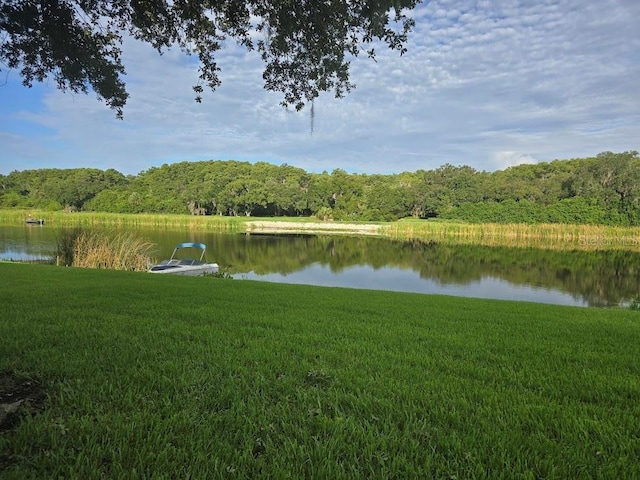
(186, 266)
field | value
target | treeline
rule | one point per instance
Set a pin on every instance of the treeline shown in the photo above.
(600, 190)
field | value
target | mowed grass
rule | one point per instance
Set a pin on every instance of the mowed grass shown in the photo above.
(163, 377)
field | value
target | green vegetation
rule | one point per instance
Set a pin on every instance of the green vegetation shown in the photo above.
(306, 47)
(598, 266)
(54, 189)
(115, 220)
(160, 377)
(107, 250)
(520, 235)
(66, 246)
(603, 190)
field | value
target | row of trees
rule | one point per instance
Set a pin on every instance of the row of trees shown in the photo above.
(604, 189)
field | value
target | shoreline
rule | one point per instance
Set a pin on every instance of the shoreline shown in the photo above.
(261, 226)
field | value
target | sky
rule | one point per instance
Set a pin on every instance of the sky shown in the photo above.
(488, 84)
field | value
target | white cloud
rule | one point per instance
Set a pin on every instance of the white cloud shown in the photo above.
(502, 160)
(487, 84)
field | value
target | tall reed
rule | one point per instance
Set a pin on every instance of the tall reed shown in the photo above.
(547, 236)
(65, 246)
(556, 236)
(128, 220)
(113, 251)
(121, 251)
(17, 216)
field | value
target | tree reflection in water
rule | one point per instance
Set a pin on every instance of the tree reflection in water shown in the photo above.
(595, 278)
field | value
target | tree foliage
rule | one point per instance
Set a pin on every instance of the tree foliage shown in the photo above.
(57, 188)
(306, 46)
(599, 190)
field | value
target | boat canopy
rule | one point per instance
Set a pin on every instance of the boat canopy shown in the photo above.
(202, 246)
(191, 245)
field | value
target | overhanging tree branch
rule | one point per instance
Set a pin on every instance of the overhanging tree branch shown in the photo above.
(305, 44)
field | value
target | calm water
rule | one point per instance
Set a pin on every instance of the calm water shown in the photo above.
(565, 278)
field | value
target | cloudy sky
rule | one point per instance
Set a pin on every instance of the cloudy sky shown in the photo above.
(485, 83)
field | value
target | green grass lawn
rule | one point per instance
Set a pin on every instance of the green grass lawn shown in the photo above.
(154, 376)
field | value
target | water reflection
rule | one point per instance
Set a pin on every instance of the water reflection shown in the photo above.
(568, 278)
(403, 280)
(31, 242)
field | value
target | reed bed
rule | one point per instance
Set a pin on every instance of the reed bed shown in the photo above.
(554, 236)
(544, 236)
(121, 251)
(111, 250)
(130, 220)
(18, 217)
(66, 245)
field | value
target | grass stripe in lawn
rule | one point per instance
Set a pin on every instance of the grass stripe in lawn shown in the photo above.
(176, 377)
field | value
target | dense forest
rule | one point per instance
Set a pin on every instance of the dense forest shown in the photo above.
(604, 189)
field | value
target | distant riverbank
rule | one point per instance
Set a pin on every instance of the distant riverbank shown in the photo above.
(555, 236)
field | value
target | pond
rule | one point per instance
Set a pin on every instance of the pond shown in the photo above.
(566, 278)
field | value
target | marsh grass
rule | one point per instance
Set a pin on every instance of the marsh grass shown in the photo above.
(113, 251)
(543, 236)
(65, 246)
(117, 220)
(103, 249)
(161, 377)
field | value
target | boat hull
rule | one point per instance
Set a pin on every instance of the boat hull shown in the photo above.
(186, 266)
(186, 270)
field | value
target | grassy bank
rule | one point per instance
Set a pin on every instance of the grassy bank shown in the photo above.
(142, 220)
(546, 236)
(160, 377)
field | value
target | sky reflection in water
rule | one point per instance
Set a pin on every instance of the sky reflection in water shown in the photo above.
(563, 278)
(405, 280)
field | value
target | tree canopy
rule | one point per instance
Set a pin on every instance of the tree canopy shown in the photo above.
(600, 190)
(306, 45)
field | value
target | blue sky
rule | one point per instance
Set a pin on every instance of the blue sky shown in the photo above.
(488, 84)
